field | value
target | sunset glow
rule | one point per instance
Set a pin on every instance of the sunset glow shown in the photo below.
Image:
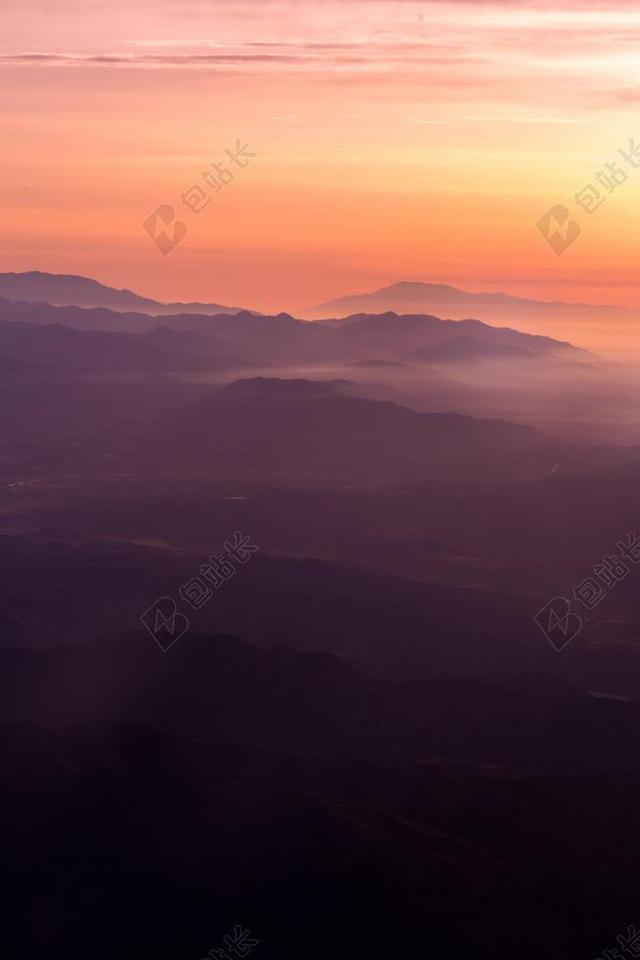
(395, 141)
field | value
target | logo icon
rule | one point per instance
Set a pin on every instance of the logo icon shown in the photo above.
(164, 215)
(164, 623)
(558, 623)
(557, 229)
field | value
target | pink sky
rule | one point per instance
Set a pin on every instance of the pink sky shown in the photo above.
(395, 140)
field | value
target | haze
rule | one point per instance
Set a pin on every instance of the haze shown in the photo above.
(396, 141)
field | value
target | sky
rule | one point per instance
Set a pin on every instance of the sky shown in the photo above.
(403, 140)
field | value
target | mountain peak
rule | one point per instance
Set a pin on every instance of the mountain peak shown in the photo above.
(588, 324)
(66, 290)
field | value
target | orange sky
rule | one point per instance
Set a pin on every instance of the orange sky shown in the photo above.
(395, 140)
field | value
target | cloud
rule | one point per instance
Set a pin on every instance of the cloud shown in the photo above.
(498, 119)
(302, 55)
(628, 95)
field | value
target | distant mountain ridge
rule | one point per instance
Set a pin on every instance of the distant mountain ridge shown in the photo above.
(321, 432)
(390, 330)
(408, 293)
(568, 321)
(598, 327)
(70, 290)
(282, 338)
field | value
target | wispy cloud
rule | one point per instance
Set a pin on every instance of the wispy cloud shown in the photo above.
(498, 119)
(305, 56)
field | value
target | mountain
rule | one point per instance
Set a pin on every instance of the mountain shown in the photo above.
(468, 350)
(62, 348)
(582, 322)
(218, 687)
(391, 333)
(62, 290)
(320, 432)
(407, 295)
(527, 538)
(304, 430)
(283, 340)
(250, 338)
(203, 350)
(12, 367)
(223, 787)
(575, 321)
(392, 627)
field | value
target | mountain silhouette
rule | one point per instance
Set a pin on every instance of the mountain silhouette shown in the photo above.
(69, 290)
(599, 327)
(467, 350)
